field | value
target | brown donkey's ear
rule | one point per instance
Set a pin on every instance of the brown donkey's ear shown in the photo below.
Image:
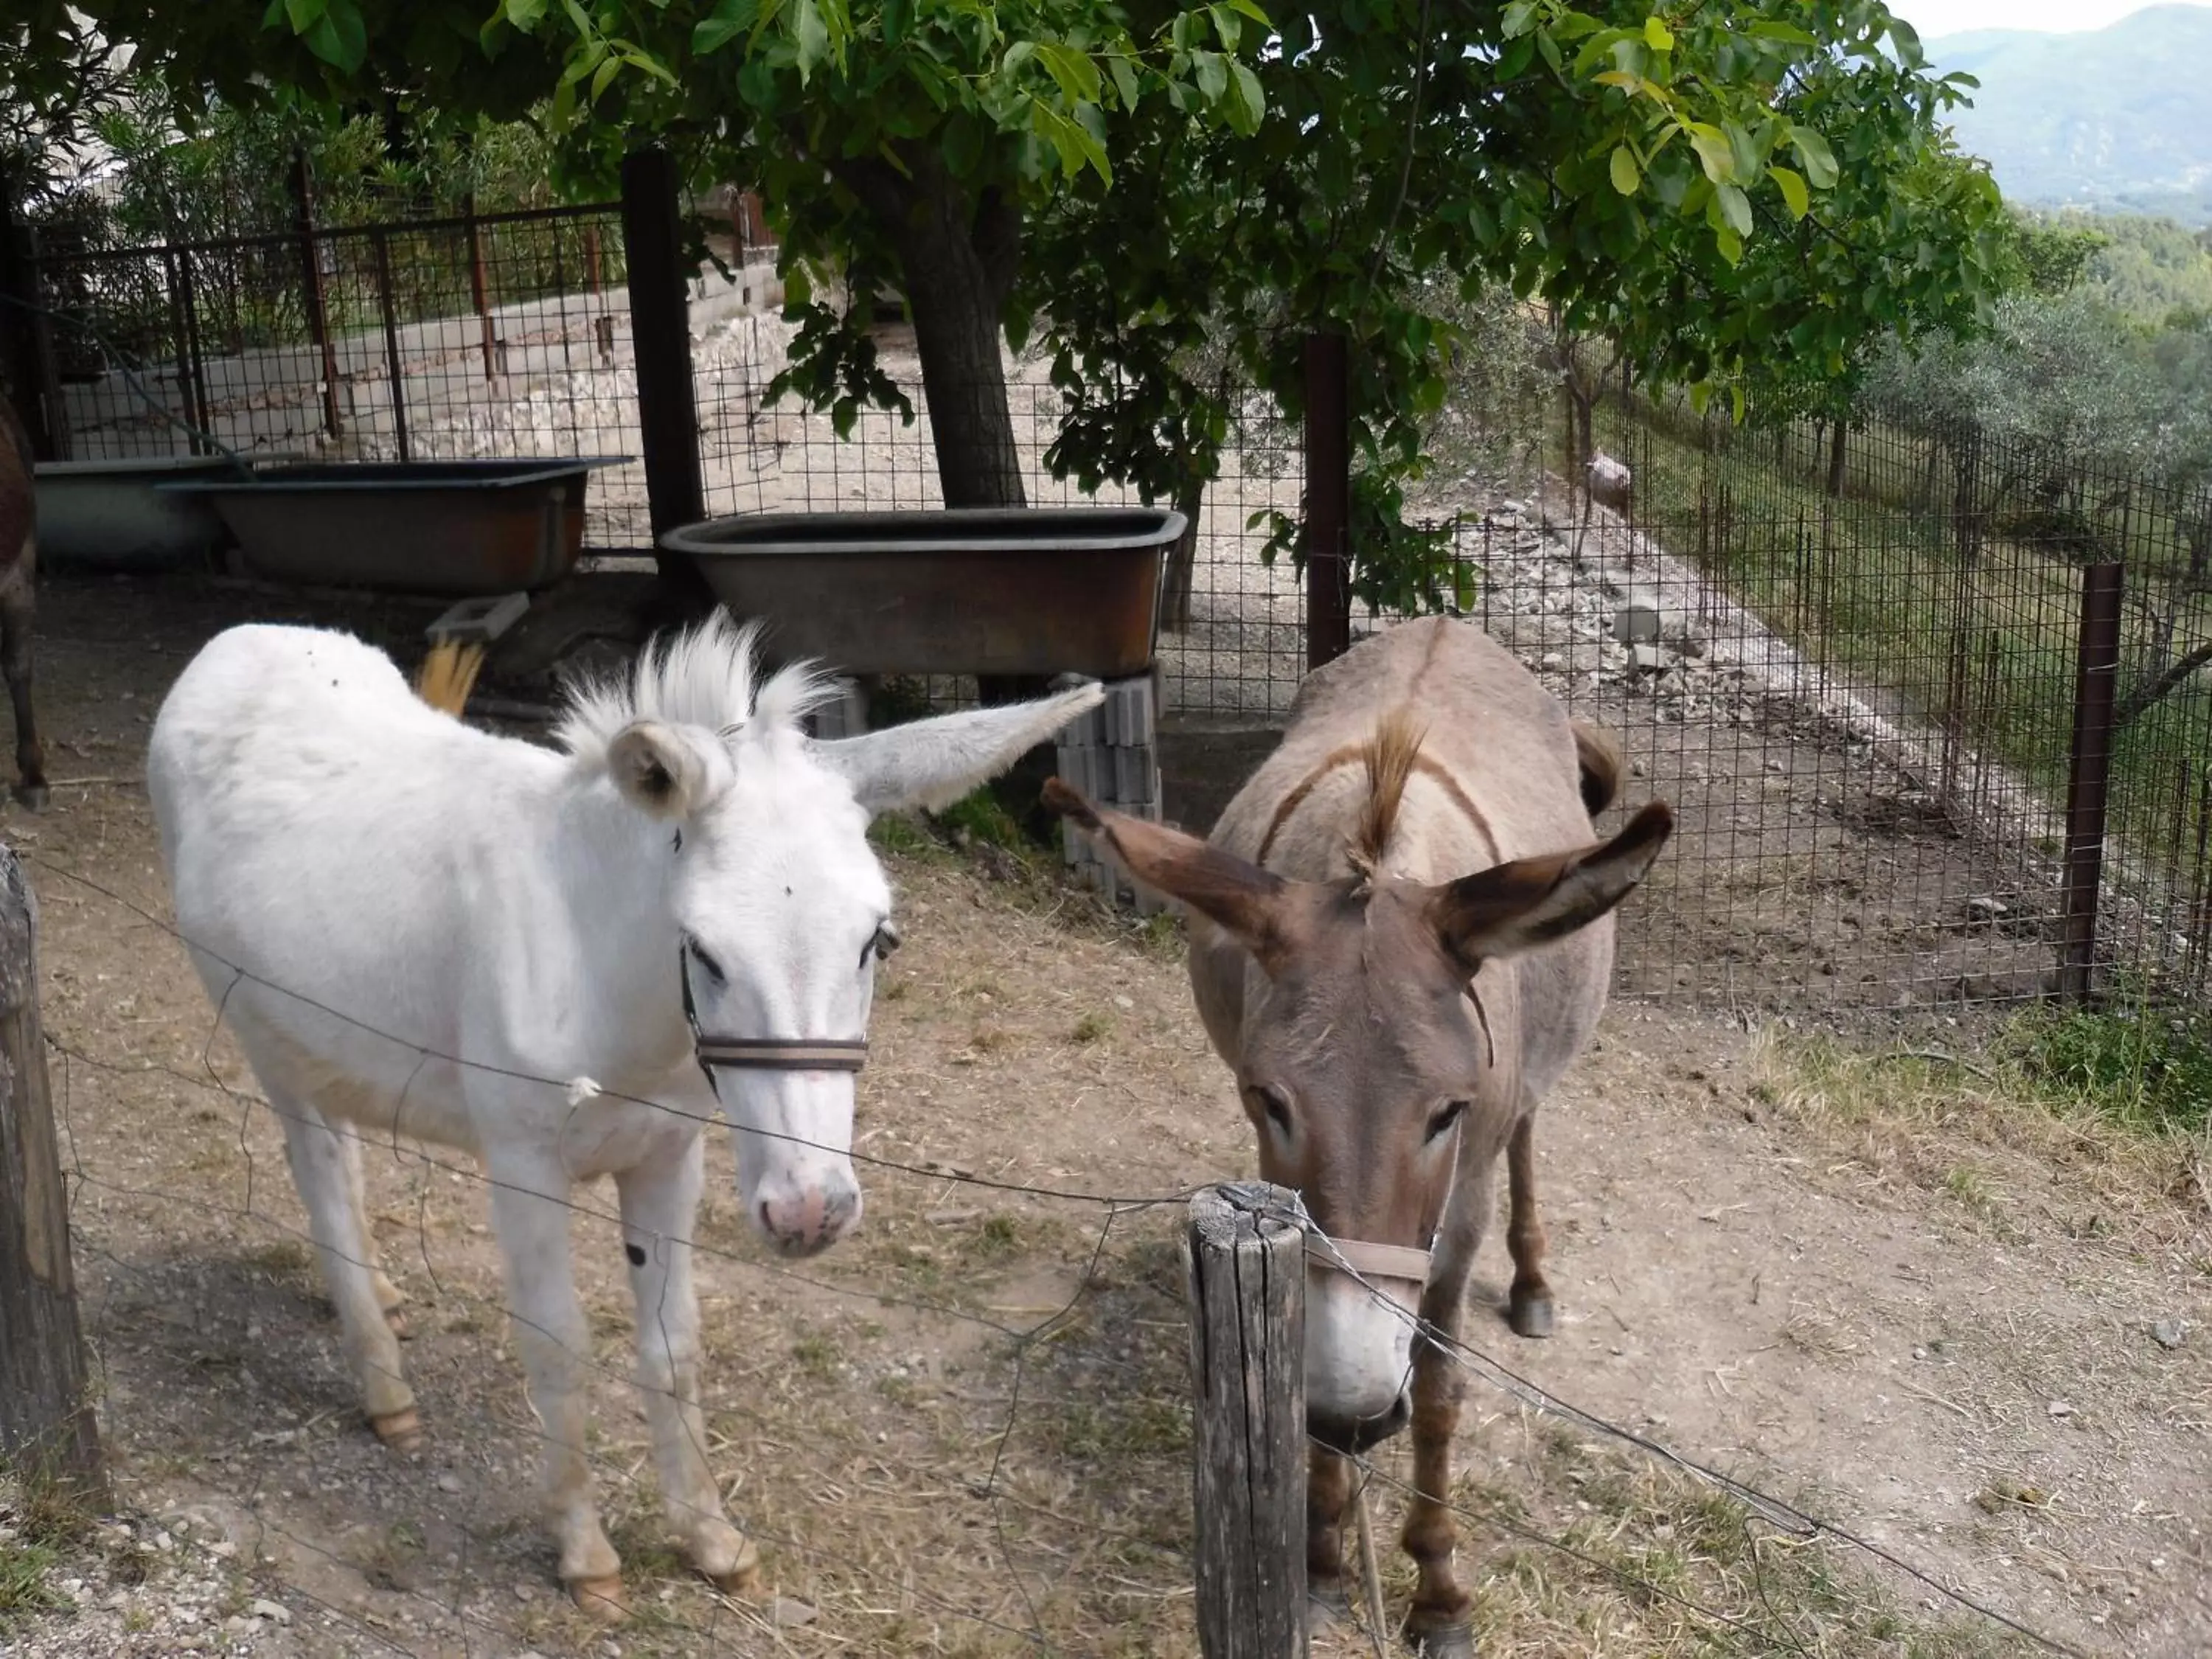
(1250, 903)
(1530, 902)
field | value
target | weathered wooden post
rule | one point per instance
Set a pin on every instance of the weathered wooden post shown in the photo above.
(46, 1428)
(660, 338)
(1245, 1251)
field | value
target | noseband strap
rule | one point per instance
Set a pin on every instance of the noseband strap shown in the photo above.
(1395, 1262)
(775, 1053)
(765, 1054)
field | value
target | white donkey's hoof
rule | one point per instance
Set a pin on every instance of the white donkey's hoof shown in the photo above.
(600, 1598)
(402, 1430)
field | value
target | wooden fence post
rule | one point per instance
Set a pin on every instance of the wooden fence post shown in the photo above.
(2089, 770)
(1328, 499)
(1245, 1252)
(47, 1430)
(660, 339)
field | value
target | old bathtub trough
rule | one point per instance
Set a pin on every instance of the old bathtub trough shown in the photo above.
(458, 527)
(946, 591)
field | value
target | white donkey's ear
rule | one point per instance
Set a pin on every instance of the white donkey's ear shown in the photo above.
(668, 771)
(933, 762)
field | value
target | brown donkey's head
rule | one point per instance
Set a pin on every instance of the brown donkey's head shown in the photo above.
(1365, 1055)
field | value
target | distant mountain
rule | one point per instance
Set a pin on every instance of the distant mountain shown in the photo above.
(2116, 118)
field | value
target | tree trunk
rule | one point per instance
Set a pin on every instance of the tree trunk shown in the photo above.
(1183, 561)
(1838, 458)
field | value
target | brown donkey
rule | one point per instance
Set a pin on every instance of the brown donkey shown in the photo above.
(19, 562)
(1401, 939)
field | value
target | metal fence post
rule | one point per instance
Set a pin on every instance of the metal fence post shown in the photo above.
(660, 337)
(1328, 499)
(1246, 1259)
(2096, 681)
(47, 1432)
(396, 373)
(318, 302)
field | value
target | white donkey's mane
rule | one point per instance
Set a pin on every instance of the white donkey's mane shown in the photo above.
(707, 675)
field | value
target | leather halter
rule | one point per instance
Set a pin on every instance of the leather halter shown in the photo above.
(1394, 1261)
(765, 1054)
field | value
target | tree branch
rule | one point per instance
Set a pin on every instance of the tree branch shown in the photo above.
(2151, 692)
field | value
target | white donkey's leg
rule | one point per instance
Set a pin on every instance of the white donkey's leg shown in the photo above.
(389, 1296)
(530, 1209)
(319, 1155)
(659, 1203)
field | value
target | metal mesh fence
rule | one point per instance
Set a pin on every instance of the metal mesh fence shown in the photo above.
(494, 335)
(1852, 665)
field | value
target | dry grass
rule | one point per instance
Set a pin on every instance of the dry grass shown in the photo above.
(1997, 1141)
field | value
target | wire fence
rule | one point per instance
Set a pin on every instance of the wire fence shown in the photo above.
(980, 1523)
(1857, 684)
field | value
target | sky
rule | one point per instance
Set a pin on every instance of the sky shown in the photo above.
(1934, 17)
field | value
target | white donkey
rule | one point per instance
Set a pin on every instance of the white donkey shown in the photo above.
(416, 928)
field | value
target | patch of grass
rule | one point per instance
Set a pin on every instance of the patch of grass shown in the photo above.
(2119, 1105)
(41, 1520)
(1620, 1555)
(816, 1355)
(982, 817)
(1091, 1028)
(903, 834)
(282, 1258)
(2144, 1069)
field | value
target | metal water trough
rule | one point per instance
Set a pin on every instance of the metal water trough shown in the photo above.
(114, 515)
(462, 527)
(946, 591)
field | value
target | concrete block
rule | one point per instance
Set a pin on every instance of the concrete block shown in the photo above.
(480, 621)
(1636, 619)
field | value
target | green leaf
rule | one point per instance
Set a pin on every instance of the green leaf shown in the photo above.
(1520, 17)
(729, 20)
(338, 37)
(811, 35)
(1657, 34)
(1626, 175)
(1074, 73)
(1735, 208)
(1714, 154)
(1125, 78)
(1788, 32)
(525, 14)
(1813, 150)
(1794, 196)
(1212, 75)
(601, 81)
(1728, 241)
(1907, 41)
(303, 15)
(1248, 103)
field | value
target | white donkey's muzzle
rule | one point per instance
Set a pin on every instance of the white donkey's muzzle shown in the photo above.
(1363, 1303)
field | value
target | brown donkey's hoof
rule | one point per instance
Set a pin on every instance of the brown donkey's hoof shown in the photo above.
(1327, 1610)
(742, 1582)
(31, 796)
(402, 1430)
(600, 1598)
(1529, 1313)
(1445, 1642)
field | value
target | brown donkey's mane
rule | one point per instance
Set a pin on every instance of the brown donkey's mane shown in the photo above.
(1391, 755)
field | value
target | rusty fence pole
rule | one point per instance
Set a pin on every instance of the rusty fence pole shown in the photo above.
(381, 243)
(479, 290)
(1244, 1251)
(47, 1432)
(1328, 499)
(2096, 682)
(318, 300)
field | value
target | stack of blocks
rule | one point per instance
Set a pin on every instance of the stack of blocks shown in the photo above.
(1112, 756)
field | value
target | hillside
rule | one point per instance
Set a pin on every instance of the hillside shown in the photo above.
(2114, 119)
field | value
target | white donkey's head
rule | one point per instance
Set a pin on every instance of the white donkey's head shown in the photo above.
(781, 912)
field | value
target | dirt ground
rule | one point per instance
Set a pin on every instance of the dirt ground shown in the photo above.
(965, 1430)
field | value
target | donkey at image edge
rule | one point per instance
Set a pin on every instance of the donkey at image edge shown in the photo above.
(566, 961)
(1397, 959)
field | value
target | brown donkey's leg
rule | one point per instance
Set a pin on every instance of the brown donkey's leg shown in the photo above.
(17, 603)
(1437, 1622)
(1328, 1488)
(1530, 1310)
